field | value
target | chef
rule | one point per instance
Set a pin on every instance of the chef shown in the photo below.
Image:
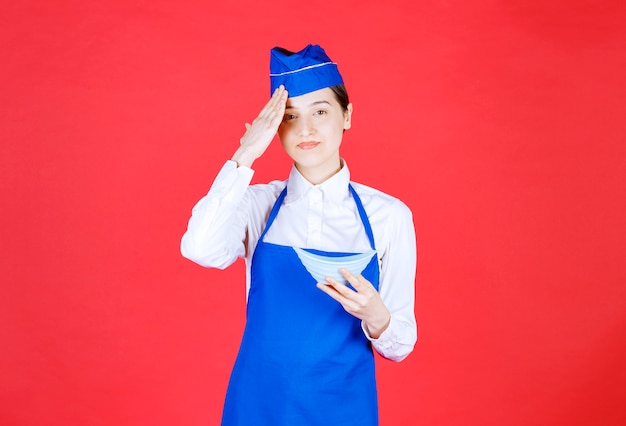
(330, 263)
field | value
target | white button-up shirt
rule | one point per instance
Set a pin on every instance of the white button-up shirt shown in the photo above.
(227, 223)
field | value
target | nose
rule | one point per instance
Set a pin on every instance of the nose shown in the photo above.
(305, 127)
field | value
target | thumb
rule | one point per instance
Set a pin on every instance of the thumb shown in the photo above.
(248, 125)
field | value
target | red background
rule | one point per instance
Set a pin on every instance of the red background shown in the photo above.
(500, 123)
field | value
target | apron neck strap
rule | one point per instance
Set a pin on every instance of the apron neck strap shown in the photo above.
(364, 218)
(274, 212)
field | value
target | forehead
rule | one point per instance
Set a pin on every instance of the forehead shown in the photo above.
(312, 98)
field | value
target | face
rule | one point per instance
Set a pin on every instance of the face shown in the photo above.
(311, 133)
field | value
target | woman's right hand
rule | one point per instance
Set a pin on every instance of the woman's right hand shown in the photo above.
(261, 132)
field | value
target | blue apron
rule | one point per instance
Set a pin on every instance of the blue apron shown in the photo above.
(303, 359)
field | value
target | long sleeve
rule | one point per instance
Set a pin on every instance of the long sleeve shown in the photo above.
(397, 286)
(216, 231)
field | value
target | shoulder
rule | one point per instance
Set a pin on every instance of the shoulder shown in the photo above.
(377, 202)
(257, 203)
(391, 221)
(261, 193)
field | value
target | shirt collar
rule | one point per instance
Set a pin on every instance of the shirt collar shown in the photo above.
(334, 188)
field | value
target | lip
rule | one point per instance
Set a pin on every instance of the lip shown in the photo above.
(308, 145)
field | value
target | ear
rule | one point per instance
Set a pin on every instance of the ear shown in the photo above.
(347, 114)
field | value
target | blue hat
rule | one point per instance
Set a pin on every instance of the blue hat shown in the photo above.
(302, 72)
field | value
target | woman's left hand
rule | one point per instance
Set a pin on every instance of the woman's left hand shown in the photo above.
(365, 303)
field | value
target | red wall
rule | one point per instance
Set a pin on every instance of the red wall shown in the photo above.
(501, 124)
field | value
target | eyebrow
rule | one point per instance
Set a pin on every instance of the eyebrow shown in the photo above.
(310, 105)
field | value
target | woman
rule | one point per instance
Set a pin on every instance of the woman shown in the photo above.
(306, 357)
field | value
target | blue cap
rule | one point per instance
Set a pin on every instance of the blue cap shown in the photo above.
(302, 72)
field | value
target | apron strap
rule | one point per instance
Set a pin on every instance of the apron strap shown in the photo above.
(274, 212)
(364, 218)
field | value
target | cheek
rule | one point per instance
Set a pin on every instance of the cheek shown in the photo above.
(283, 137)
(283, 131)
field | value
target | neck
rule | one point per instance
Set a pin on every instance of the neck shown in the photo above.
(318, 175)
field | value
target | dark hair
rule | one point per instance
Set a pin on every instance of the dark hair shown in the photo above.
(341, 95)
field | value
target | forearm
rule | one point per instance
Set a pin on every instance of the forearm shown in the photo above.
(244, 156)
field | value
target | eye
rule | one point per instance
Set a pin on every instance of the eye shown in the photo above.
(289, 117)
(320, 112)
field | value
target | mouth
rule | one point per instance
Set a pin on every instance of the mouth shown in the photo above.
(308, 145)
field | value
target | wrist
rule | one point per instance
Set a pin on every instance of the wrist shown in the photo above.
(243, 157)
(375, 329)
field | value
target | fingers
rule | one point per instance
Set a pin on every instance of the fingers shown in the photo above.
(275, 107)
(272, 113)
(352, 279)
(261, 131)
(359, 283)
(363, 302)
(351, 299)
(340, 293)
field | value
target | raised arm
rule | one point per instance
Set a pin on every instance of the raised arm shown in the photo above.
(216, 232)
